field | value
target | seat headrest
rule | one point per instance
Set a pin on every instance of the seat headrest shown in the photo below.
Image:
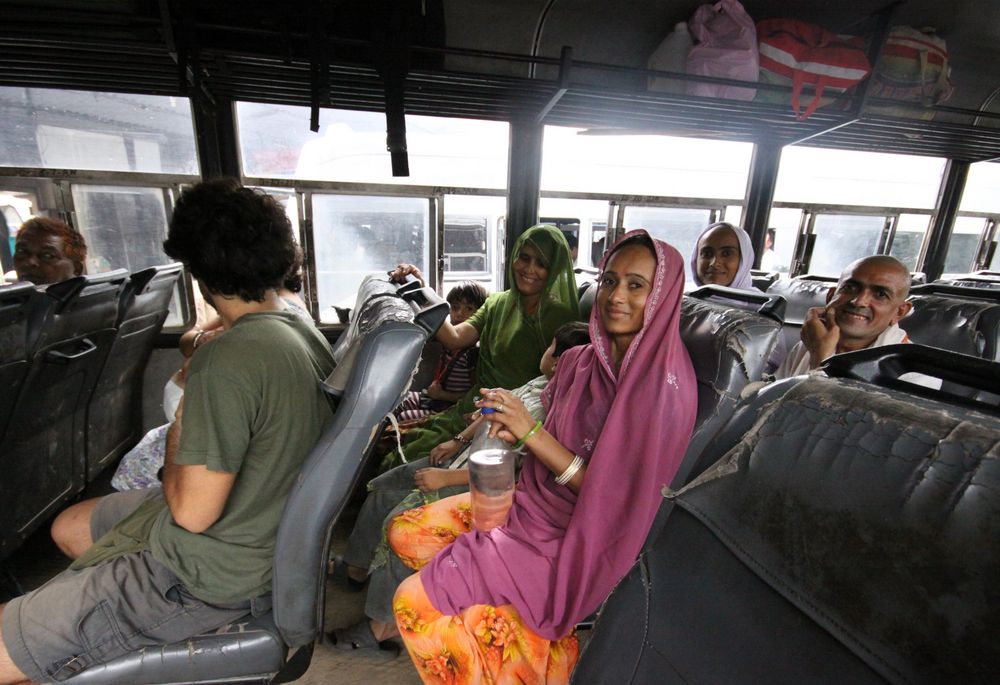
(876, 513)
(800, 295)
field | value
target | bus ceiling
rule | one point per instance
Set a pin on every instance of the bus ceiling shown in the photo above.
(575, 63)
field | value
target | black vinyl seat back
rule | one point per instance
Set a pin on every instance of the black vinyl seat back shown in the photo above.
(70, 331)
(588, 295)
(847, 534)
(114, 414)
(971, 282)
(762, 280)
(801, 293)
(963, 320)
(729, 348)
(14, 304)
(255, 649)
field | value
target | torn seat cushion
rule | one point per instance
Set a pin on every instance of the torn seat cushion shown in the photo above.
(875, 513)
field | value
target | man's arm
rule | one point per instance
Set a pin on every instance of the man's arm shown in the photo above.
(195, 495)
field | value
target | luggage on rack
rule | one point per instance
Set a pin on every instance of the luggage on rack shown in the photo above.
(796, 53)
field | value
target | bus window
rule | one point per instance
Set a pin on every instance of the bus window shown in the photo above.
(275, 142)
(68, 129)
(786, 222)
(676, 225)
(966, 236)
(355, 235)
(124, 227)
(472, 244)
(586, 220)
(909, 238)
(841, 239)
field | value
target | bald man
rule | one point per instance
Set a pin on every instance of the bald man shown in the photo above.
(861, 311)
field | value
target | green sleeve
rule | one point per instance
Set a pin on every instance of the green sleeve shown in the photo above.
(481, 316)
(217, 422)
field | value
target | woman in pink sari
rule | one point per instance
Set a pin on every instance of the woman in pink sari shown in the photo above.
(501, 606)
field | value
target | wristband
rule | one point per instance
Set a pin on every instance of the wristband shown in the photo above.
(462, 439)
(528, 436)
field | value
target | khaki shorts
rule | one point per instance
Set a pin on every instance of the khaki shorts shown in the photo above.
(94, 615)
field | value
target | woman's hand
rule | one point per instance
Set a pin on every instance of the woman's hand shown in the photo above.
(511, 420)
(403, 270)
(444, 452)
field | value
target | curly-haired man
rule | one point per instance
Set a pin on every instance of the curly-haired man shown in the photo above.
(159, 565)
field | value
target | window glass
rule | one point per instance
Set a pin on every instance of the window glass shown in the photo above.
(69, 129)
(846, 177)
(473, 240)
(963, 245)
(643, 164)
(275, 142)
(785, 222)
(842, 238)
(909, 237)
(982, 188)
(586, 221)
(678, 226)
(356, 235)
(124, 228)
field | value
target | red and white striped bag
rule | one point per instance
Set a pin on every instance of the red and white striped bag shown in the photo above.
(799, 53)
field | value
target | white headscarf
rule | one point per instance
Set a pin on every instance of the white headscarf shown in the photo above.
(743, 280)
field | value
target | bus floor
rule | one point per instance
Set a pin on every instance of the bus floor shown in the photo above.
(38, 560)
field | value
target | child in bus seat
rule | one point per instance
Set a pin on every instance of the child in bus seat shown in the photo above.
(456, 369)
(368, 554)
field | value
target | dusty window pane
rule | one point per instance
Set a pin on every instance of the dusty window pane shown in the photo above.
(473, 241)
(785, 221)
(643, 164)
(982, 188)
(586, 220)
(358, 235)
(840, 239)
(679, 227)
(964, 243)
(68, 129)
(909, 238)
(275, 141)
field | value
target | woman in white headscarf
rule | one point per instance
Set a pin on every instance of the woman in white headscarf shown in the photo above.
(723, 255)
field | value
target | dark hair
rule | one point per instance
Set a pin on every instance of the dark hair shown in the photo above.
(771, 232)
(74, 246)
(235, 240)
(571, 239)
(468, 292)
(293, 281)
(569, 335)
(641, 239)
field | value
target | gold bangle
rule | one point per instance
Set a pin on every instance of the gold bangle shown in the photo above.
(567, 475)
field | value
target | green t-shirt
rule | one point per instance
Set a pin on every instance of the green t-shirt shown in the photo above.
(252, 406)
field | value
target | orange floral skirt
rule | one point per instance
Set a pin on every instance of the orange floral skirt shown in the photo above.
(484, 644)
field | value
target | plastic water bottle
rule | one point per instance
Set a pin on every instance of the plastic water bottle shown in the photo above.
(671, 55)
(491, 478)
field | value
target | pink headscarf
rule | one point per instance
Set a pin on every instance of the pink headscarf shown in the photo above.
(560, 554)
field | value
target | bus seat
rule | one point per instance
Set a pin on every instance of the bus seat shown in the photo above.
(71, 326)
(255, 649)
(847, 534)
(972, 281)
(963, 320)
(14, 303)
(114, 413)
(729, 348)
(801, 293)
(588, 293)
(762, 280)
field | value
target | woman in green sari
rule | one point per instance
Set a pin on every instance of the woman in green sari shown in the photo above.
(513, 328)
